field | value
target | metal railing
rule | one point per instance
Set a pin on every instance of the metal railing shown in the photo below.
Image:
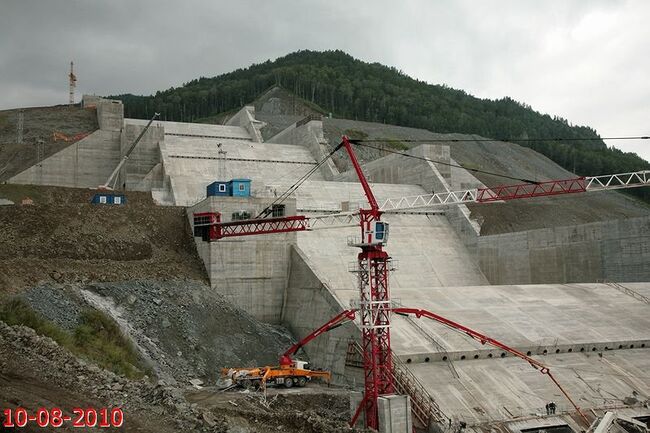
(423, 407)
(621, 288)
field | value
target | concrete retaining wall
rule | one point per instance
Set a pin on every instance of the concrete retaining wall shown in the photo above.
(245, 118)
(308, 305)
(250, 271)
(309, 135)
(144, 158)
(84, 164)
(612, 250)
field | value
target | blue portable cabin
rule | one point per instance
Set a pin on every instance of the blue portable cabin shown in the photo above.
(108, 198)
(218, 188)
(240, 187)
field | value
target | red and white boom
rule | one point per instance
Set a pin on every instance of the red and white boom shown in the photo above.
(519, 191)
(210, 226)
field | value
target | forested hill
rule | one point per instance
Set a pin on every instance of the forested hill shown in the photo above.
(350, 88)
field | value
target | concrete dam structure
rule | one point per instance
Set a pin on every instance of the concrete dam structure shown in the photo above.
(575, 297)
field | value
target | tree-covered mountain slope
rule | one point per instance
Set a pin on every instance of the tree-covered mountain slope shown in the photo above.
(337, 83)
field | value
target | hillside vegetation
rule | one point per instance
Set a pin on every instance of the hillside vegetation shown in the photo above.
(352, 89)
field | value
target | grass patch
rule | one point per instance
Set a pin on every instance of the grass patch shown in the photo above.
(17, 312)
(97, 337)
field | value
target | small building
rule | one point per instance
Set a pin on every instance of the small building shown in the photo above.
(218, 188)
(240, 187)
(108, 198)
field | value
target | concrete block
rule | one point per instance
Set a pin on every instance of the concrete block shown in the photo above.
(395, 414)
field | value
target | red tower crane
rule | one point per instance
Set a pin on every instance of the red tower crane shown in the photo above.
(374, 264)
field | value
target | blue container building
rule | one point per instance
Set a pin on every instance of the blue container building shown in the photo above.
(232, 188)
(240, 187)
(218, 188)
(108, 198)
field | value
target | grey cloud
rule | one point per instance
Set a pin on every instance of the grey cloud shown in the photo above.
(581, 60)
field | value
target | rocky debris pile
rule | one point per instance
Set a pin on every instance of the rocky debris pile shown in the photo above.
(311, 409)
(182, 328)
(157, 407)
(21, 348)
(189, 330)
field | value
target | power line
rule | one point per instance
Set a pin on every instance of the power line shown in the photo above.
(475, 170)
(511, 139)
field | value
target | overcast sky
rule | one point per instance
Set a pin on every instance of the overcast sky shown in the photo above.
(587, 61)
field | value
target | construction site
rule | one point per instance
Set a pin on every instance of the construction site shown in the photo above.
(425, 292)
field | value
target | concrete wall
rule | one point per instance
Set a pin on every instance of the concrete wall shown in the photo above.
(612, 250)
(143, 159)
(309, 135)
(250, 271)
(308, 305)
(245, 118)
(398, 169)
(84, 164)
(110, 115)
(395, 414)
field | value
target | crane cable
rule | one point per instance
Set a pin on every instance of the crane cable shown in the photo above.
(282, 197)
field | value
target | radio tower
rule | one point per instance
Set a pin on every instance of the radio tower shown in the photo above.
(73, 83)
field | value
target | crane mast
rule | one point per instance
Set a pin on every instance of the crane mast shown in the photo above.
(72, 81)
(374, 302)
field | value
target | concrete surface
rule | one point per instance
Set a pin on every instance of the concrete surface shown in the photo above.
(144, 157)
(84, 164)
(617, 250)
(250, 271)
(245, 118)
(309, 135)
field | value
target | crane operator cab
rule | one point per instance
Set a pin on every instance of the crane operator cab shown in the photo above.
(377, 234)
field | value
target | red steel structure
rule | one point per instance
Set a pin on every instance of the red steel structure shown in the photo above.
(374, 265)
(375, 305)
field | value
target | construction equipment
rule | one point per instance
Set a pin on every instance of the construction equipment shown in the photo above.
(290, 372)
(113, 177)
(295, 374)
(374, 264)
